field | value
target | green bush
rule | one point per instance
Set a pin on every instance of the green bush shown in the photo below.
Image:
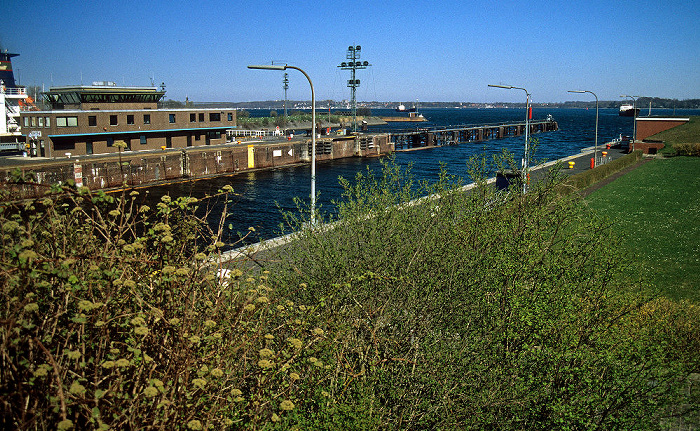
(687, 149)
(112, 318)
(483, 311)
(459, 310)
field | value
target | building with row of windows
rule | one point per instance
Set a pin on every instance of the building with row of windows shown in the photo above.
(90, 119)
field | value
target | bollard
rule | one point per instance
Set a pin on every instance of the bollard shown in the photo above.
(571, 164)
(592, 162)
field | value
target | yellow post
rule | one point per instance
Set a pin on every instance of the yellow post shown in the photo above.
(251, 157)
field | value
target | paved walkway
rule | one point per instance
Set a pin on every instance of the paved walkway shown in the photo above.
(582, 160)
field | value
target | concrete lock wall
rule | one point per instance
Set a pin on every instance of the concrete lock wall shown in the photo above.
(136, 169)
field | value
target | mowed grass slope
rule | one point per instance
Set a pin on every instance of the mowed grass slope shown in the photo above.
(657, 210)
(688, 133)
(685, 133)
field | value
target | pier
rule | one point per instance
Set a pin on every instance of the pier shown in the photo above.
(144, 168)
(436, 137)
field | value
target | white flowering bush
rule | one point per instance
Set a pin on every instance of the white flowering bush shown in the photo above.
(112, 318)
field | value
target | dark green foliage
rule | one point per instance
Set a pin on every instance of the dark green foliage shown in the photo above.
(476, 310)
(112, 317)
(482, 310)
(687, 149)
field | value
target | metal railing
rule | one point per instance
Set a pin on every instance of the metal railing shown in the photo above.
(18, 91)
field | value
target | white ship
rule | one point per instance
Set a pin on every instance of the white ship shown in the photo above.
(13, 98)
(628, 110)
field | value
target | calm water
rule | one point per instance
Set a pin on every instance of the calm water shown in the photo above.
(261, 195)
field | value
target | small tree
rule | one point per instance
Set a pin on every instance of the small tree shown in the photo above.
(121, 145)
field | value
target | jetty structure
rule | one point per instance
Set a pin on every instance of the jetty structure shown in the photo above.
(141, 168)
(104, 136)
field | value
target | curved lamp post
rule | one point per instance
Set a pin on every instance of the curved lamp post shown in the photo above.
(595, 153)
(526, 158)
(313, 129)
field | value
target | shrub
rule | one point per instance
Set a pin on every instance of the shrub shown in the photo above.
(485, 311)
(113, 318)
(458, 310)
(687, 149)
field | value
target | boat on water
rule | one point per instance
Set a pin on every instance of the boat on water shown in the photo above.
(413, 117)
(403, 108)
(13, 99)
(628, 110)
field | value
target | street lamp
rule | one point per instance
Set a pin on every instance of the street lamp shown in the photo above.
(526, 158)
(313, 129)
(595, 153)
(634, 116)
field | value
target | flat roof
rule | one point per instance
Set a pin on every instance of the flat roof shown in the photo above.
(662, 119)
(101, 88)
(145, 111)
(140, 132)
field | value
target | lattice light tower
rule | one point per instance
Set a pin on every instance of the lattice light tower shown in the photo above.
(285, 81)
(354, 63)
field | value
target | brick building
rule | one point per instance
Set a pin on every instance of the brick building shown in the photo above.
(649, 126)
(89, 119)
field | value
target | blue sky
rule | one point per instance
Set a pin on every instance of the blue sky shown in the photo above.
(439, 50)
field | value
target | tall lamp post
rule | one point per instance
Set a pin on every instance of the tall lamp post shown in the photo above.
(595, 153)
(353, 65)
(526, 157)
(313, 129)
(285, 85)
(634, 116)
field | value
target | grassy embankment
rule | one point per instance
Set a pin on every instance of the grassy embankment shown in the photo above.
(688, 133)
(656, 207)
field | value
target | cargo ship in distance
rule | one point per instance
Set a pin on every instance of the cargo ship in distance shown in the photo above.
(402, 108)
(628, 110)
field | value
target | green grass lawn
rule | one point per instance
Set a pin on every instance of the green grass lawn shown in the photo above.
(686, 133)
(657, 210)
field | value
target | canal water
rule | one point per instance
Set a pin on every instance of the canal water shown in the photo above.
(260, 197)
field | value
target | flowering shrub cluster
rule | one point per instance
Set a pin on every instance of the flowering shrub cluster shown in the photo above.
(113, 318)
(473, 310)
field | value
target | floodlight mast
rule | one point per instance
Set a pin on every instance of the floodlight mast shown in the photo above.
(526, 158)
(285, 85)
(353, 54)
(313, 128)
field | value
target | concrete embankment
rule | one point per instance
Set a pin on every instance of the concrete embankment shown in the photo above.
(145, 168)
(29, 177)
